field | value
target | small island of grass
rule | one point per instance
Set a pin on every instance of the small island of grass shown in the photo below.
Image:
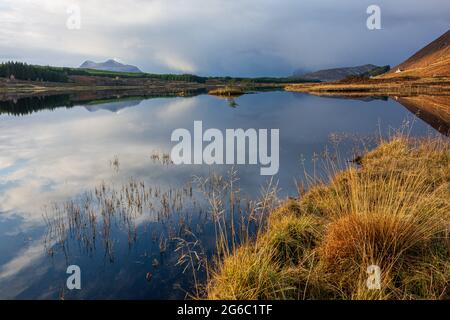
(227, 91)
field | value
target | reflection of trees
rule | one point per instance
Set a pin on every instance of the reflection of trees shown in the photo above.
(29, 105)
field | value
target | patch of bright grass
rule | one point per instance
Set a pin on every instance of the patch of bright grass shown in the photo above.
(227, 91)
(392, 211)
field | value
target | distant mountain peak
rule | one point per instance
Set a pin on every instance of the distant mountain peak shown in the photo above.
(336, 73)
(110, 65)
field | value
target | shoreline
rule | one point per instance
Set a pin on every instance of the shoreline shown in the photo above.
(19, 88)
(376, 87)
(405, 86)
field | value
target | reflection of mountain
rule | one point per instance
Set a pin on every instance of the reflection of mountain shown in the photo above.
(434, 110)
(113, 106)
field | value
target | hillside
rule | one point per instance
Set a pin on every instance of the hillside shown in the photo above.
(426, 72)
(336, 73)
(110, 65)
(431, 61)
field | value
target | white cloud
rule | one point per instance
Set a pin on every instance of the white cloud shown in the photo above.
(23, 259)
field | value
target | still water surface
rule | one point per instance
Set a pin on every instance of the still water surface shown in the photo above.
(64, 159)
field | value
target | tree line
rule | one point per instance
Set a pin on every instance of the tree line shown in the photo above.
(23, 71)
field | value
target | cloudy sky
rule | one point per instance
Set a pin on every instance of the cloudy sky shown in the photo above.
(219, 37)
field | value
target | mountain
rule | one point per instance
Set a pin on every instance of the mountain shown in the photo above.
(431, 61)
(336, 73)
(110, 65)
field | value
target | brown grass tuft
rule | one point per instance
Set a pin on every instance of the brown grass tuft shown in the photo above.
(393, 211)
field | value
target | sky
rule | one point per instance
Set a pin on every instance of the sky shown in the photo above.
(212, 37)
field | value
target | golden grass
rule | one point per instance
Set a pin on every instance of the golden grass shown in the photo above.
(398, 86)
(227, 91)
(393, 211)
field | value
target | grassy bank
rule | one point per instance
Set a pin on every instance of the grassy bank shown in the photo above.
(392, 211)
(399, 86)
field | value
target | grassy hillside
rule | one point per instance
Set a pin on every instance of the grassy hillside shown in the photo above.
(431, 61)
(392, 211)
